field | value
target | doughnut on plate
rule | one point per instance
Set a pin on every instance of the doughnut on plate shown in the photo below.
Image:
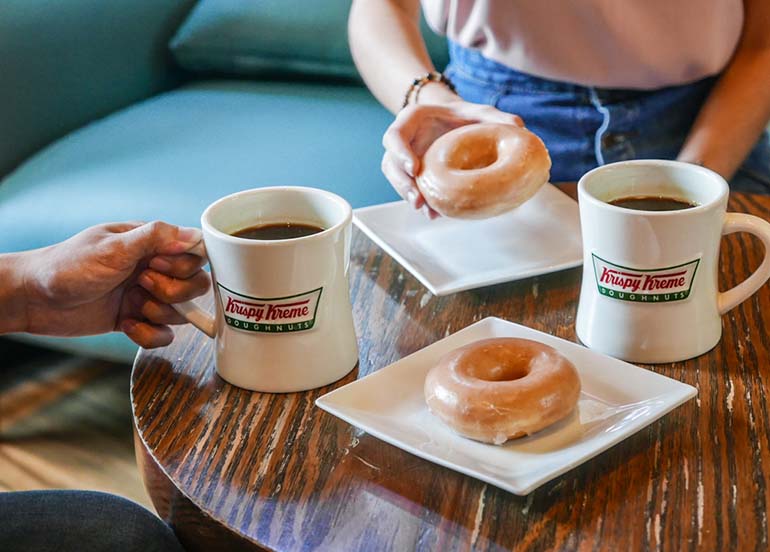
(617, 400)
(451, 255)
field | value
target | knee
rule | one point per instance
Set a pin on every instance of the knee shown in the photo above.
(83, 521)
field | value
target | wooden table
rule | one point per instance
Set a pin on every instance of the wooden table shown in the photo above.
(232, 469)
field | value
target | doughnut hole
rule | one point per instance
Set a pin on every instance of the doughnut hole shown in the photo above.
(493, 367)
(477, 151)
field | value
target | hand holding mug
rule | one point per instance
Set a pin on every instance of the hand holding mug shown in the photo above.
(117, 276)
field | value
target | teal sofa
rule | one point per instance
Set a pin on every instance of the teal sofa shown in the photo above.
(98, 124)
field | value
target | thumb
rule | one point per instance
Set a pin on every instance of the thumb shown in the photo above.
(508, 119)
(397, 142)
(161, 238)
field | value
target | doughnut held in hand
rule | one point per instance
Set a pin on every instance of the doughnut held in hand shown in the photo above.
(498, 389)
(483, 170)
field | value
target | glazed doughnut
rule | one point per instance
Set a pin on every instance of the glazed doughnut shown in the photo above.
(483, 170)
(499, 389)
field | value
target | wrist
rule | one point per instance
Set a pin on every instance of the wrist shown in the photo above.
(14, 299)
(437, 93)
(431, 88)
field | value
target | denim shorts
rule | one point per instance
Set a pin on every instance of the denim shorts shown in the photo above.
(584, 127)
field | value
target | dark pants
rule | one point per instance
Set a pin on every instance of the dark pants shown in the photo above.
(80, 521)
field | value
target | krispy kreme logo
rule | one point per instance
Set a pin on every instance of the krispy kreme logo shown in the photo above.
(660, 285)
(294, 313)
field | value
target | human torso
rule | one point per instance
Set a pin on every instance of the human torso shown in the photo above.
(609, 43)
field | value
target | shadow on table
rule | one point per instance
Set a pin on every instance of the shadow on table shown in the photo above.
(437, 500)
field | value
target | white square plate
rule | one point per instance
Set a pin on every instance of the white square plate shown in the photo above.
(451, 255)
(617, 400)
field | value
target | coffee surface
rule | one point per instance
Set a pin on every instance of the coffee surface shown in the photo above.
(652, 203)
(278, 231)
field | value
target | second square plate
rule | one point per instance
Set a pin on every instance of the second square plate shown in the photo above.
(451, 255)
(617, 400)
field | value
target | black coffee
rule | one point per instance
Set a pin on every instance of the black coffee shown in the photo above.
(652, 203)
(278, 231)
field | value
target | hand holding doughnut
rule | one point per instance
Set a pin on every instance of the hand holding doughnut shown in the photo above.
(415, 128)
(483, 170)
(499, 389)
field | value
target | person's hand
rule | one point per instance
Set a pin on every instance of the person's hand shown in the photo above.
(119, 276)
(416, 127)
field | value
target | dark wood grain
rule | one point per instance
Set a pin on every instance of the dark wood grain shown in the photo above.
(274, 470)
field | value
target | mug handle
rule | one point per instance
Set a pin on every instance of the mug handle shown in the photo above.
(738, 222)
(191, 311)
(197, 316)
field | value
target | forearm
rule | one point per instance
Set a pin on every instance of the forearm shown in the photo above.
(738, 108)
(389, 51)
(13, 310)
(732, 118)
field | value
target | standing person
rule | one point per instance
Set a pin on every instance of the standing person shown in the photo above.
(121, 276)
(599, 81)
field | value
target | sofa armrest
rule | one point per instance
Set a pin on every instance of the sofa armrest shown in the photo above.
(63, 64)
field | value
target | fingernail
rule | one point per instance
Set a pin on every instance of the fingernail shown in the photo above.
(411, 197)
(146, 282)
(189, 235)
(409, 168)
(160, 264)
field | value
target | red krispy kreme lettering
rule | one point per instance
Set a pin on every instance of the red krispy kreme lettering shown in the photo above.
(664, 281)
(623, 280)
(246, 310)
(286, 312)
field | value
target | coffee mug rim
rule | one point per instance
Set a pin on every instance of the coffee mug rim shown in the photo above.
(210, 228)
(583, 193)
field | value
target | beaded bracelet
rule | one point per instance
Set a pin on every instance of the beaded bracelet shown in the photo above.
(418, 83)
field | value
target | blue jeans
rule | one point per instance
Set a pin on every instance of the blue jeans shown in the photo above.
(584, 127)
(80, 521)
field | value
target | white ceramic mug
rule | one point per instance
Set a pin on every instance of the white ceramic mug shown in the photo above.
(649, 292)
(283, 318)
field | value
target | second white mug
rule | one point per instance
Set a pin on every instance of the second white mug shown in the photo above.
(650, 292)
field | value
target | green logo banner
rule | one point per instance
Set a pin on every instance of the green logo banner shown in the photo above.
(293, 313)
(659, 285)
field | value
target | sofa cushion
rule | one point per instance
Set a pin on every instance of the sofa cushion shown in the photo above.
(242, 37)
(64, 64)
(170, 156)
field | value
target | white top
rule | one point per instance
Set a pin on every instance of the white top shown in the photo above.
(609, 43)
